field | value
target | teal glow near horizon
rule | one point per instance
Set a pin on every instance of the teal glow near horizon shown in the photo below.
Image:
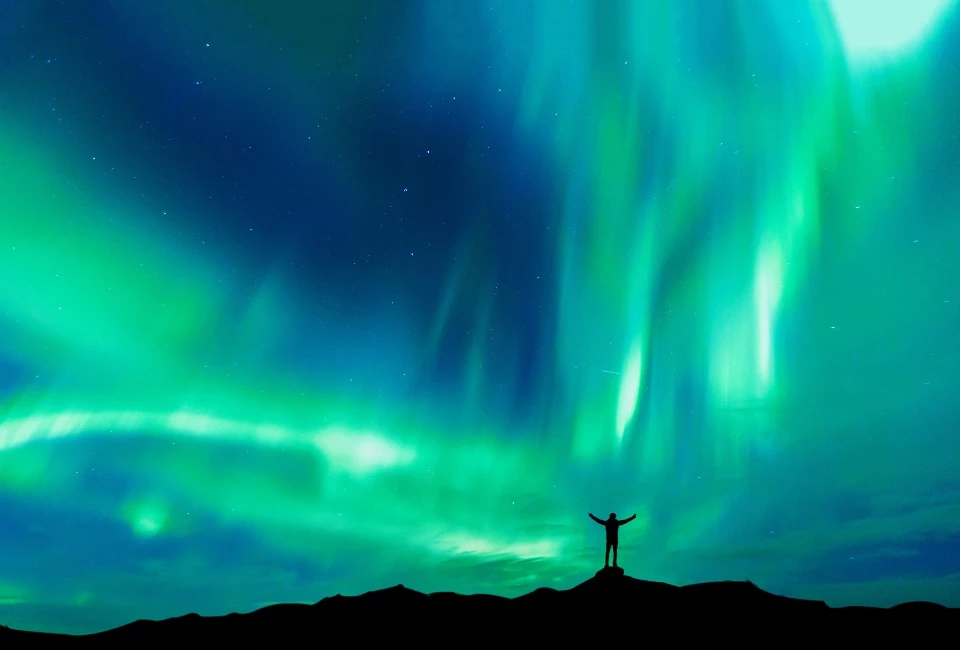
(321, 299)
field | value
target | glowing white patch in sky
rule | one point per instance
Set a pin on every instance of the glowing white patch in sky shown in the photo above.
(875, 29)
(362, 452)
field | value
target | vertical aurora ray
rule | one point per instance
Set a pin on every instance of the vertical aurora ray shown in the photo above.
(321, 301)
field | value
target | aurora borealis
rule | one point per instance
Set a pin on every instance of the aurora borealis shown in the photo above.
(307, 298)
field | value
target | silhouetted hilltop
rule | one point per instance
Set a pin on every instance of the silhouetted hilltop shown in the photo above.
(610, 604)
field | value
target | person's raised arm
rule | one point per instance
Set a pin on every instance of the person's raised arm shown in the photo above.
(628, 519)
(599, 521)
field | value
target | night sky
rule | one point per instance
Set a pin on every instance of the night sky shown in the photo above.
(303, 298)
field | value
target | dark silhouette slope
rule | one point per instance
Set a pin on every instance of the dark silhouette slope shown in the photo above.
(610, 604)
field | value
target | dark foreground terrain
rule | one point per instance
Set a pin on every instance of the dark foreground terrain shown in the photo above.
(608, 607)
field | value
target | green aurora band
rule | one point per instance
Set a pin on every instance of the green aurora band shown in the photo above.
(748, 334)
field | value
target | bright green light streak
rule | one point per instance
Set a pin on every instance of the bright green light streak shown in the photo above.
(354, 452)
(629, 388)
(768, 285)
(466, 544)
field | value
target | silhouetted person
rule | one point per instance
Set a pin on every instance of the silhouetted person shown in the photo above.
(613, 526)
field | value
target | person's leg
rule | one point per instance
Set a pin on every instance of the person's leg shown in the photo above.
(614, 555)
(606, 558)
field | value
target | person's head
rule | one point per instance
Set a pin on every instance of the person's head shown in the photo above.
(613, 515)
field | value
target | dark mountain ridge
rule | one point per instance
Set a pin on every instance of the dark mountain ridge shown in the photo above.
(608, 605)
